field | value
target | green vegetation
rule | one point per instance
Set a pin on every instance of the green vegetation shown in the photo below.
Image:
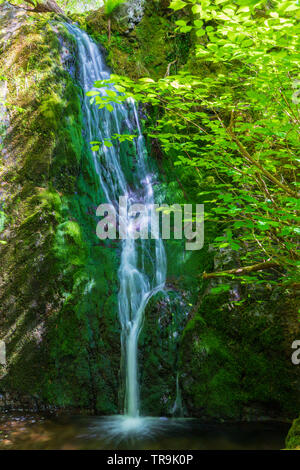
(109, 7)
(218, 87)
(226, 131)
(293, 437)
(236, 117)
(55, 273)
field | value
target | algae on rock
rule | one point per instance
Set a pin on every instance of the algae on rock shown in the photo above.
(293, 437)
(58, 289)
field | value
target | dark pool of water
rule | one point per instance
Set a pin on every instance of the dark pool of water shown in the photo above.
(76, 432)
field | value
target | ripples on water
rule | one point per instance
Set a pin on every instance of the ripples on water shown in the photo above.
(121, 432)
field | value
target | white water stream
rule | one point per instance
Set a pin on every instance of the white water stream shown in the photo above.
(142, 268)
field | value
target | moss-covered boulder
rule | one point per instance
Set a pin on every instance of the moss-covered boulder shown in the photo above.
(129, 51)
(235, 358)
(293, 437)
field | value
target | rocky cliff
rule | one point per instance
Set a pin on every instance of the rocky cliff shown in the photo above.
(58, 290)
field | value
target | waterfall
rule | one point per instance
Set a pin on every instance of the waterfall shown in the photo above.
(177, 409)
(142, 269)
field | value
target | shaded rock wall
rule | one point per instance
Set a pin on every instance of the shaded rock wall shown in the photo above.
(58, 284)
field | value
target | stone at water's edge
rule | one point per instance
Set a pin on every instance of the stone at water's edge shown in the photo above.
(293, 437)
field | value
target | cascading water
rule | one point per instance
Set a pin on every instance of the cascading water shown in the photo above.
(177, 407)
(142, 268)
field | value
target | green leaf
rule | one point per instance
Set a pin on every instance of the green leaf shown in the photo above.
(200, 32)
(186, 29)
(177, 4)
(220, 289)
(92, 93)
(111, 93)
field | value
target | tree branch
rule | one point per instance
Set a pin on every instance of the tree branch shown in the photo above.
(42, 6)
(169, 67)
(248, 157)
(243, 270)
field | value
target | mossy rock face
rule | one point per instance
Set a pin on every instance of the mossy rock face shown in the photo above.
(129, 51)
(234, 361)
(293, 437)
(165, 317)
(59, 288)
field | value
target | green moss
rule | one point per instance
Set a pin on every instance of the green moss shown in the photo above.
(158, 351)
(69, 243)
(233, 361)
(129, 52)
(49, 109)
(293, 437)
(58, 297)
